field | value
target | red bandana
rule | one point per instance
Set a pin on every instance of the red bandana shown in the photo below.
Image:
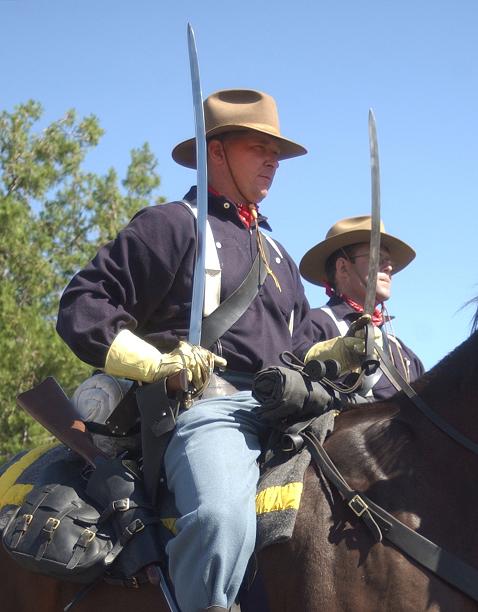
(245, 214)
(377, 316)
(243, 210)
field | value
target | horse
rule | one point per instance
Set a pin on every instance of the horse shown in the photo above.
(389, 451)
(403, 462)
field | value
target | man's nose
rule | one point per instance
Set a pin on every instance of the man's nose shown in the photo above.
(273, 160)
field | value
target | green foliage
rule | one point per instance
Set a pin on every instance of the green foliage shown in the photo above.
(53, 218)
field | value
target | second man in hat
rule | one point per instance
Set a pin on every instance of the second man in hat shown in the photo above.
(339, 263)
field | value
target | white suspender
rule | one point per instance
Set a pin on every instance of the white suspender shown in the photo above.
(274, 245)
(340, 323)
(212, 290)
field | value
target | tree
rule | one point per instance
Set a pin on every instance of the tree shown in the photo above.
(53, 218)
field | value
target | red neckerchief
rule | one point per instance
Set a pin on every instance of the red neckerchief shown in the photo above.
(243, 210)
(245, 213)
(377, 316)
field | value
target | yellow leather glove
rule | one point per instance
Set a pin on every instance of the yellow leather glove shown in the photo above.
(349, 351)
(131, 357)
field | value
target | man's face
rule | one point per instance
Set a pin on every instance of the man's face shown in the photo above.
(355, 274)
(252, 161)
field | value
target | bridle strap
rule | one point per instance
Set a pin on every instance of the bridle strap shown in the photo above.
(442, 563)
(397, 380)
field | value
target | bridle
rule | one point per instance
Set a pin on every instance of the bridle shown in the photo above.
(400, 384)
(380, 522)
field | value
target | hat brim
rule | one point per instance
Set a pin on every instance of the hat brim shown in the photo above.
(184, 153)
(312, 265)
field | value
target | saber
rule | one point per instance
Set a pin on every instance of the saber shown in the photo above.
(373, 263)
(199, 281)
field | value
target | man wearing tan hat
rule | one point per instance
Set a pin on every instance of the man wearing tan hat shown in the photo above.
(128, 312)
(340, 264)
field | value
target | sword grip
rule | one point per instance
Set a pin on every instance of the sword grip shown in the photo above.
(177, 383)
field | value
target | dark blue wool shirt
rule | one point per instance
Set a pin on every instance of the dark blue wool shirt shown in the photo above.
(142, 281)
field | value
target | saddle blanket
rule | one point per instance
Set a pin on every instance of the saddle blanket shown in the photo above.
(277, 500)
(280, 488)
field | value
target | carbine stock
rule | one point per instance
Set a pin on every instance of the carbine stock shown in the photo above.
(48, 404)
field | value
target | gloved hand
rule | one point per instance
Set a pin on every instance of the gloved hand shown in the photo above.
(131, 357)
(348, 351)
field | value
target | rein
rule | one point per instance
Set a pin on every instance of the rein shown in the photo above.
(382, 524)
(397, 380)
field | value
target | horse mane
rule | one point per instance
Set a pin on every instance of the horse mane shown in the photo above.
(474, 321)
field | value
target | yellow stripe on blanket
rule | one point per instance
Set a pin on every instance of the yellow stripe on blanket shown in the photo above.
(12, 493)
(278, 498)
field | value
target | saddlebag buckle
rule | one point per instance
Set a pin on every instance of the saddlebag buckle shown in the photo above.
(121, 505)
(51, 525)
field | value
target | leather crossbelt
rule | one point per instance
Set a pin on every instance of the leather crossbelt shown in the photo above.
(228, 312)
(442, 563)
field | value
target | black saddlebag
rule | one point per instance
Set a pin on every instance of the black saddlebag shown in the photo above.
(57, 533)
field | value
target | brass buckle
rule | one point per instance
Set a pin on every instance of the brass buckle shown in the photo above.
(28, 518)
(121, 505)
(357, 505)
(51, 524)
(89, 535)
(135, 527)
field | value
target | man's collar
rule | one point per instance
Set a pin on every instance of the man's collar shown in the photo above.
(341, 309)
(216, 205)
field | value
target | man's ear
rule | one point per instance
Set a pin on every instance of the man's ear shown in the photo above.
(341, 265)
(215, 150)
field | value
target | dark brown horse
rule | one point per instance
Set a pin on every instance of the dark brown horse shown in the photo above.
(403, 462)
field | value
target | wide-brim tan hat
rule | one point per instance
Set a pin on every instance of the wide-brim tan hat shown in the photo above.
(231, 110)
(345, 233)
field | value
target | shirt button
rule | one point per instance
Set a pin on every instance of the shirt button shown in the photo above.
(218, 245)
(226, 205)
(277, 259)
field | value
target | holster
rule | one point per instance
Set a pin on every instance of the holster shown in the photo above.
(116, 486)
(158, 418)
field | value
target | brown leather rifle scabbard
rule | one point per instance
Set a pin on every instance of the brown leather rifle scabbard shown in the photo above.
(48, 404)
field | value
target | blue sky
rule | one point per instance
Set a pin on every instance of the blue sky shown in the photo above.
(326, 63)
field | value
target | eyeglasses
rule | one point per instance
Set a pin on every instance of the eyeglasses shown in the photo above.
(384, 261)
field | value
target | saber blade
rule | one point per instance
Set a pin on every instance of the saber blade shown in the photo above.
(373, 264)
(197, 303)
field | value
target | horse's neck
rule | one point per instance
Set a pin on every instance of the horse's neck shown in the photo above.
(451, 387)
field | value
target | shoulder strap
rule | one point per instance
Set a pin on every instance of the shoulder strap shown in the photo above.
(212, 291)
(340, 323)
(228, 312)
(219, 317)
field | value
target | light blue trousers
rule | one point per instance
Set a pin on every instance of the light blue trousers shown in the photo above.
(211, 467)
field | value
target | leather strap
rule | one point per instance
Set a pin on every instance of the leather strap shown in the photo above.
(228, 312)
(397, 380)
(80, 547)
(442, 563)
